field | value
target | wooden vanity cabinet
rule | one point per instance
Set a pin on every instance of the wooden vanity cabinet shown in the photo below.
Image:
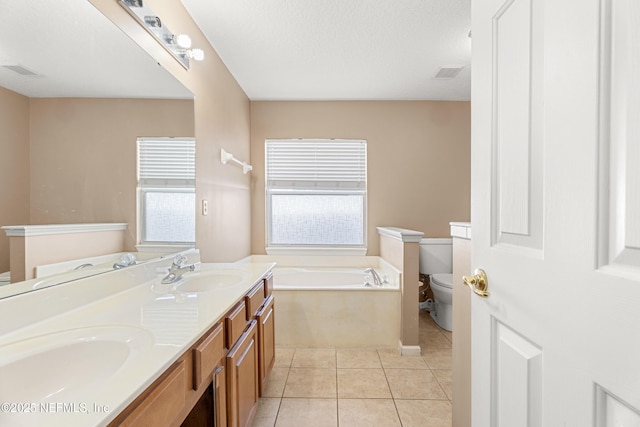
(171, 399)
(217, 382)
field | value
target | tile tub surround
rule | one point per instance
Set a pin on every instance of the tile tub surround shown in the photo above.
(361, 387)
(127, 298)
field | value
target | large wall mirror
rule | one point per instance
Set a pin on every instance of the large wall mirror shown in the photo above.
(86, 91)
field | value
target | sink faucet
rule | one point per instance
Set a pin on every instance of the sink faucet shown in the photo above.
(376, 277)
(177, 269)
(125, 261)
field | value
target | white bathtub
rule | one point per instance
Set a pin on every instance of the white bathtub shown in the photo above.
(321, 278)
(331, 307)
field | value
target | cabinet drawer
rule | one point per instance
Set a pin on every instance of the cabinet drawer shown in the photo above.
(254, 300)
(235, 323)
(207, 354)
(268, 285)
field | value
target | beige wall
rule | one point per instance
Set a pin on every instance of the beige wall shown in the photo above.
(14, 166)
(418, 158)
(83, 156)
(222, 115)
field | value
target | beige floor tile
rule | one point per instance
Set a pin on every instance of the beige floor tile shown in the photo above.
(367, 413)
(276, 382)
(283, 357)
(443, 375)
(393, 359)
(307, 413)
(362, 383)
(426, 322)
(314, 358)
(357, 358)
(447, 387)
(267, 412)
(311, 382)
(437, 358)
(433, 340)
(448, 335)
(424, 413)
(414, 384)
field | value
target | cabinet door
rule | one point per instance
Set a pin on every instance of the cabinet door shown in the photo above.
(242, 379)
(266, 340)
(219, 397)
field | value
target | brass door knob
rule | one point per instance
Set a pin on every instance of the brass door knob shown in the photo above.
(477, 282)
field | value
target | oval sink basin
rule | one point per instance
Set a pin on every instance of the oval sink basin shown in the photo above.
(210, 280)
(64, 365)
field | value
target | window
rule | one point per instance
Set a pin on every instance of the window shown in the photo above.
(166, 191)
(316, 193)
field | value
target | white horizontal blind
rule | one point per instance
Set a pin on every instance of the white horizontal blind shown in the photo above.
(166, 162)
(316, 164)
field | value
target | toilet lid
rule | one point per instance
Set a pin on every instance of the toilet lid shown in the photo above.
(445, 280)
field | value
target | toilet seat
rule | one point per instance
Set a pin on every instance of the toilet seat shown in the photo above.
(445, 280)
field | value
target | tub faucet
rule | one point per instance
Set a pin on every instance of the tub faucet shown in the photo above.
(376, 278)
(177, 269)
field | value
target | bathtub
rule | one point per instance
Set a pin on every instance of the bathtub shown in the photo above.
(332, 307)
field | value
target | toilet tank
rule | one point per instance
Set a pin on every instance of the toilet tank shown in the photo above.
(436, 255)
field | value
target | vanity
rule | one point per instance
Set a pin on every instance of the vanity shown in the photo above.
(124, 349)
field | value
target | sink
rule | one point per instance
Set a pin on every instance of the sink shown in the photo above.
(210, 280)
(64, 365)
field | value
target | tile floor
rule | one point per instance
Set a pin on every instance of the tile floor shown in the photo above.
(329, 387)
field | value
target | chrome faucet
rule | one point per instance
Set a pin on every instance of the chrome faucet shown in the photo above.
(376, 277)
(126, 260)
(177, 269)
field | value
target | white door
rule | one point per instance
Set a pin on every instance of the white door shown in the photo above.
(556, 212)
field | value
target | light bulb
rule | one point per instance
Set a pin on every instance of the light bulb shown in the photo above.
(182, 40)
(195, 54)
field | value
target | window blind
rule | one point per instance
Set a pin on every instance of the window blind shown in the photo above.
(316, 164)
(166, 162)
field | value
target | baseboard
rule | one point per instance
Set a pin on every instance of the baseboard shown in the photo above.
(409, 350)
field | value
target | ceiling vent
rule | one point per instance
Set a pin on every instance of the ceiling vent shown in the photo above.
(448, 72)
(20, 70)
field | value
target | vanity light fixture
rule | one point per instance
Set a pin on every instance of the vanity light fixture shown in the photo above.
(178, 45)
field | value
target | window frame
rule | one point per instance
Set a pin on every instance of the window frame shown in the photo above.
(164, 185)
(333, 249)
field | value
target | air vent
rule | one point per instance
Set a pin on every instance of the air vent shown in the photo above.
(20, 70)
(448, 72)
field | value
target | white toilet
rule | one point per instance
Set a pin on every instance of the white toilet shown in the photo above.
(436, 262)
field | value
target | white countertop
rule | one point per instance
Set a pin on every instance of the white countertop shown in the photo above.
(159, 324)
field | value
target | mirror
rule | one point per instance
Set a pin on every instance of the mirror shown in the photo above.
(91, 90)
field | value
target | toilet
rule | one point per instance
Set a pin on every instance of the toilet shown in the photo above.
(436, 262)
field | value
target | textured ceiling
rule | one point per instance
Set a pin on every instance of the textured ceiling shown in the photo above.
(276, 49)
(341, 49)
(75, 52)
